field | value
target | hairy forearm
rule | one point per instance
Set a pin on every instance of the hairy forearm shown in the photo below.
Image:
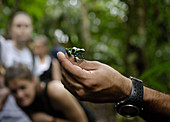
(156, 105)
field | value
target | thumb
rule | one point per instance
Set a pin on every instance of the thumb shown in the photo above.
(67, 65)
(63, 59)
(61, 56)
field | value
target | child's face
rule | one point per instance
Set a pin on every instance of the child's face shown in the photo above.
(23, 91)
(40, 48)
(21, 28)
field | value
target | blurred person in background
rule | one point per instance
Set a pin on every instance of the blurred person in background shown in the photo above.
(49, 102)
(47, 68)
(14, 51)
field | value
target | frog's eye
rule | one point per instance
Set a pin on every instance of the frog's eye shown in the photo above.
(73, 50)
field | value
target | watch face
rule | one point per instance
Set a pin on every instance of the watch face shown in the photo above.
(128, 110)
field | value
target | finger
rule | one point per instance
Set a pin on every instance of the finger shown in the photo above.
(62, 57)
(74, 70)
(88, 65)
(72, 88)
(72, 82)
(71, 59)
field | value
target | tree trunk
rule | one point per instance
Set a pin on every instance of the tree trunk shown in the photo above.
(135, 26)
(85, 30)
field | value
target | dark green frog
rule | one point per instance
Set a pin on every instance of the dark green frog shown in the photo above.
(75, 52)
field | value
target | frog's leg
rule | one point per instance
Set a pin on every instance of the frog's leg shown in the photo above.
(75, 56)
(81, 56)
(68, 52)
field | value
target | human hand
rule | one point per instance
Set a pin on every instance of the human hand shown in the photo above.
(93, 81)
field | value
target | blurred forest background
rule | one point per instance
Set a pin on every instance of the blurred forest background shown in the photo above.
(132, 36)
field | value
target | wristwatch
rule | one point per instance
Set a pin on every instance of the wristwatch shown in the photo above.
(132, 105)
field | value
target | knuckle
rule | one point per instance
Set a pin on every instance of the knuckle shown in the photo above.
(89, 84)
(81, 93)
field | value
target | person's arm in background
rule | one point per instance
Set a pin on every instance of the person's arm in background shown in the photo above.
(44, 117)
(3, 49)
(63, 101)
(4, 92)
(56, 71)
(97, 82)
(41, 116)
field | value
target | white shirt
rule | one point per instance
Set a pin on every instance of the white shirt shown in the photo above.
(41, 67)
(11, 55)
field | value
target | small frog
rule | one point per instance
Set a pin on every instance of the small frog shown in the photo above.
(75, 52)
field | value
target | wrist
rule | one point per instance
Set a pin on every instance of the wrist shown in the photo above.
(121, 89)
(126, 87)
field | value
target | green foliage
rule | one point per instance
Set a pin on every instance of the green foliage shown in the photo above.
(157, 77)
